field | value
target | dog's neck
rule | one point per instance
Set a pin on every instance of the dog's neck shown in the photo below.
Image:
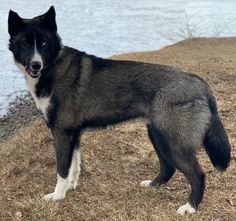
(42, 101)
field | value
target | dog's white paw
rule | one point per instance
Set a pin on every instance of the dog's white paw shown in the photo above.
(53, 197)
(145, 183)
(187, 208)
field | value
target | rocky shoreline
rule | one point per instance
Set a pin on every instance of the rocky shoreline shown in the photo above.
(21, 112)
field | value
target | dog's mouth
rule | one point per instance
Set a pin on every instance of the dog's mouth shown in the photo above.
(32, 73)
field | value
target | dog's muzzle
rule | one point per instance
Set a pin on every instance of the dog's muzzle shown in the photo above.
(34, 69)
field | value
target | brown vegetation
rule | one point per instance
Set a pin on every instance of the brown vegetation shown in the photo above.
(118, 158)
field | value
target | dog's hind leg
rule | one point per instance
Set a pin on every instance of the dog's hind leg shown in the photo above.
(67, 158)
(183, 158)
(187, 163)
(161, 147)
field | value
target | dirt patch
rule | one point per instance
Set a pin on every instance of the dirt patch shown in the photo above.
(117, 159)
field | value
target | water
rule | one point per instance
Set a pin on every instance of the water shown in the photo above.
(107, 27)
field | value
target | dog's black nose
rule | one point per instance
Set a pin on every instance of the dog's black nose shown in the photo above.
(35, 65)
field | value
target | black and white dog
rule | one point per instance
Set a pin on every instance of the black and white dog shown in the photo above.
(75, 91)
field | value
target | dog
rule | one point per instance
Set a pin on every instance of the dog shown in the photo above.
(75, 91)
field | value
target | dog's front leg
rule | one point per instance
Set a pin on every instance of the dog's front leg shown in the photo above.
(68, 163)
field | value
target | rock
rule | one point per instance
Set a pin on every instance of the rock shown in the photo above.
(18, 215)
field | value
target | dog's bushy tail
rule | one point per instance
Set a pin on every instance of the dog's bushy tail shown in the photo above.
(216, 141)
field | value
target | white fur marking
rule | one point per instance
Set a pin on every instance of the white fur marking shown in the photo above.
(42, 103)
(68, 183)
(187, 208)
(145, 183)
(60, 189)
(21, 68)
(37, 57)
(74, 171)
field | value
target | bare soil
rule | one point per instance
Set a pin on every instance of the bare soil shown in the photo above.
(115, 160)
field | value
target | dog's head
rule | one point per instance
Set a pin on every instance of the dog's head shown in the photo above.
(34, 42)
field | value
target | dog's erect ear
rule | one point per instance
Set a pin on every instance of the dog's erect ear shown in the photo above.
(48, 20)
(15, 23)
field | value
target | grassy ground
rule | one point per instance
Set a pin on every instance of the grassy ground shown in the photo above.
(117, 159)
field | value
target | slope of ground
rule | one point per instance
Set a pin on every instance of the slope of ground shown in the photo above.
(118, 158)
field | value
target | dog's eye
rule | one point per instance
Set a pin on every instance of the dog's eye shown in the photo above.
(44, 43)
(25, 44)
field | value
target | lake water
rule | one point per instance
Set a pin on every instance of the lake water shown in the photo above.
(107, 27)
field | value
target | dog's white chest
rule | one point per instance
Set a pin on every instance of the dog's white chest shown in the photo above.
(42, 103)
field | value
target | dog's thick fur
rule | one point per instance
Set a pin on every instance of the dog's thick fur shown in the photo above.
(76, 91)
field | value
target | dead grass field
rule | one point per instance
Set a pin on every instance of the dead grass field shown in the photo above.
(118, 158)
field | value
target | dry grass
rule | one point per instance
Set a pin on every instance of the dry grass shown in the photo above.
(117, 159)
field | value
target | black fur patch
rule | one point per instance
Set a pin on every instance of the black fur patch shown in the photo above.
(45, 84)
(52, 112)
